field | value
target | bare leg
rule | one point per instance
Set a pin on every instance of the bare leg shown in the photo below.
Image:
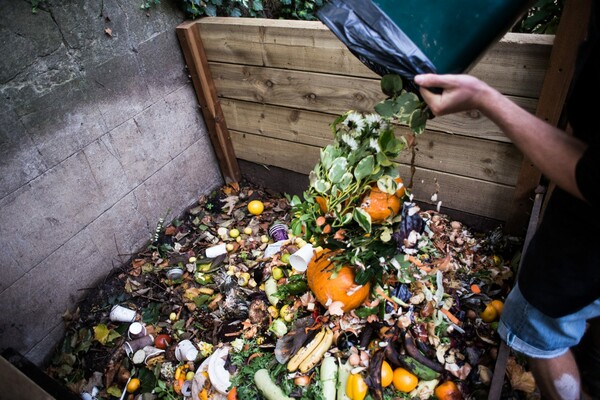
(557, 378)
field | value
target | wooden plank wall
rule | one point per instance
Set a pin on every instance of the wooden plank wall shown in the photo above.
(280, 84)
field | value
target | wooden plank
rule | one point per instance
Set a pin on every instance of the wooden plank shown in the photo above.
(300, 126)
(191, 45)
(297, 89)
(570, 33)
(466, 194)
(515, 65)
(334, 95)
(304, 46)
(492, 161)
(464, 156)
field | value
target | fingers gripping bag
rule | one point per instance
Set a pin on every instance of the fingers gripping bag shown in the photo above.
(410, 37)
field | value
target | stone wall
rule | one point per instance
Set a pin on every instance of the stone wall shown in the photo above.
(100, 136)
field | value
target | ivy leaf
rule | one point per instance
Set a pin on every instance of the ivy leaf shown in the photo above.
(418, 120)
(345, 181)
(364, 168)
(338, 168)
(322, 186)
(391, 85)
(386, 108)
(362, 218)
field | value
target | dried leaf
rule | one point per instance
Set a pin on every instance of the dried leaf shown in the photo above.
(519, 378)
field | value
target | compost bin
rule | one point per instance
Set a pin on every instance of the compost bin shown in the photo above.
(212, 307)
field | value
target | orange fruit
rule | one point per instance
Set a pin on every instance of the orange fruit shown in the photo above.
(489, 314)
(387, 374)
(133, 385)
(256, 207)
(498, 306)
(448, 391)
(404, 381)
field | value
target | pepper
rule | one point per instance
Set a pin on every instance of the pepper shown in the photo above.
(356, 387)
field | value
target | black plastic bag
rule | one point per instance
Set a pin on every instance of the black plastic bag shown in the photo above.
(375, 39)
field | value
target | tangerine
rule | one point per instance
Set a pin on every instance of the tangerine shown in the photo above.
(404, 380)
(448, 391)
(498, 306)
(133, 385)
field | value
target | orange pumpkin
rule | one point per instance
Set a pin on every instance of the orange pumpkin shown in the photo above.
(339, 288)
(380, 205)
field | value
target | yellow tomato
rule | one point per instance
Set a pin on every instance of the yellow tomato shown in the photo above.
(489, 314)
(356, 387)
(133, 385)
(387, 374)
(234, 233)
(404, 381)
(256, 207)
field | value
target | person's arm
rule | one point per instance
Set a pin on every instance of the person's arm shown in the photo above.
(551, 150)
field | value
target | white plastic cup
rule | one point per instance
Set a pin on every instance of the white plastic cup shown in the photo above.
(134, 345)
(122, 314)
(300, 259)
(215, 251)
(136, 330)
(186, 351)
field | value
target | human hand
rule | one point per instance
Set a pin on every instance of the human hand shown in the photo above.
(459, 92)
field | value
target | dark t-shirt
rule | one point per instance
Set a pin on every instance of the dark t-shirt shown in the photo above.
(560, 273)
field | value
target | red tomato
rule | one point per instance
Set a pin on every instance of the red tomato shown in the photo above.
(162, 341)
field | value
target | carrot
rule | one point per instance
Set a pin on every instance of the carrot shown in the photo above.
(475, 288)
(450, 316)
(232, 395)
(386, 297)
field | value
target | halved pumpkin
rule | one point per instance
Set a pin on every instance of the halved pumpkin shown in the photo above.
(328, 288)
(380, 205)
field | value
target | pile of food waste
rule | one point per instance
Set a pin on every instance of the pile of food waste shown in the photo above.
(257, 331)
(348, 292)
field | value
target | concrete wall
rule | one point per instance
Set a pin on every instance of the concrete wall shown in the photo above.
(99, 137)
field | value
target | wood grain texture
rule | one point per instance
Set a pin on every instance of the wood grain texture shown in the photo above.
(485, 160)
(280, 83)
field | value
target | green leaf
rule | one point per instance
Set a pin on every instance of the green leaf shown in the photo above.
(383, 160)
(346, 180)
(386, 108)
(387, 184)
(101, 332)
(179, 325)
(418, 120)
(235, 12)
(363, 276)
(114, 391)
(391, 85)
(363, 219)
(338, 168)
(364, 168)
(322, 186)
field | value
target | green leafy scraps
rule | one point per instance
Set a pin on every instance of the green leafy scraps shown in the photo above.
(104, 335)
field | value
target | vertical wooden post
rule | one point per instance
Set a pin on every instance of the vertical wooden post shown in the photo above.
(195, 58)
(569, 35)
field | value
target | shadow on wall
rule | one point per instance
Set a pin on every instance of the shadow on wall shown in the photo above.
(100, 136)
